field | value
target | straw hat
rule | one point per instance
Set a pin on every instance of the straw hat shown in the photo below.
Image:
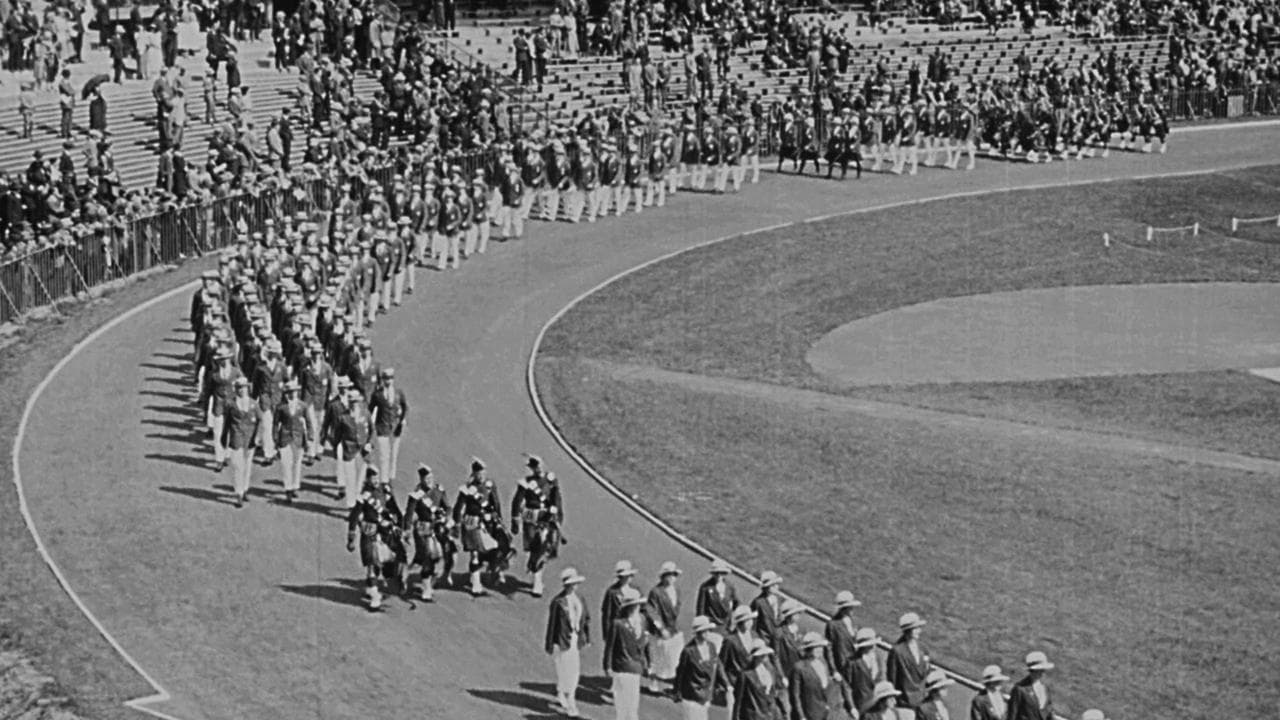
(864, 638)
(813, 640)
(630, 596)
(720, 567)
(789, 608)
(883, 689)
(742, 613)
(845, 599)
(761, 649)
(936, 680)
(668, 568)
(992, 674)
(769, 578)
(1037, 660)
(570, 576)
(910, 621)
(623, 569)
(702, 623)
(1093, 715)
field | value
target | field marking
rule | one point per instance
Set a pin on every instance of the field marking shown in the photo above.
(963, 422)
(666, 528)
(1224, 126)
(161, 695)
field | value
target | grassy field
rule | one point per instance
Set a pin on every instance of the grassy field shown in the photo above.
(1140, 576)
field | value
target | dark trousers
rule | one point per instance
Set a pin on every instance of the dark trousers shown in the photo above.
(65, 129)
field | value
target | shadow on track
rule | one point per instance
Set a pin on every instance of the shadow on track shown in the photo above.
(341, 591)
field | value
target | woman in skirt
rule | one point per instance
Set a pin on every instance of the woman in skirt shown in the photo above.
(663, 611)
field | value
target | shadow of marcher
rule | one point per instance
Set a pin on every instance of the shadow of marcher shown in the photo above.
(511, 698)
(223, 498)
(202, 462)
(342, 592)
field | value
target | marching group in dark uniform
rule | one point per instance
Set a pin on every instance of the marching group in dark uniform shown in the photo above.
(941, 127)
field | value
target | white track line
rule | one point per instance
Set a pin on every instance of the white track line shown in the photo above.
(161, 695)
(531, 382)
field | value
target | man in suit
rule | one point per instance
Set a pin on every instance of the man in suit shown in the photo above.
(933, 707)
(865, 670)
(623, 572)
(839, 633)
(816, 691)
(908, 663)
(568, 631)
(292, 429)
(716, 600)
(1030, 698)
(389, 412)
(239, 429)
(663, 612)
(767, 606)
(699, 672)
(990, 703)
(268, 388)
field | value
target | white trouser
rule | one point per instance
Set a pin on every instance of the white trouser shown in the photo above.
(621, 198)
(397, 287)
(439, 248)
(626, 696)
(722, 177)
(513, 222)
(347, 470)
(469, 244)
(387, 285)
(755, 168)
(388, 455)
(550, 204)
(665, 655)
(291, 466)
(740, 173)
(482, 235)
(568, 670)
(241, 465)
(372, 310)
(219, 450)
(266, 429)
(690, 710)
(656, 193)
(454, 238)
(638, 193)
(526, 203)
(313, 442)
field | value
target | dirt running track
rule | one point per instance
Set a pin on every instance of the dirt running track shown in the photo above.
(256, 613)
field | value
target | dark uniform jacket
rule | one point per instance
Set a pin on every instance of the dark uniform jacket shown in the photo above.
(811, 700)
(626, 648)
(840, 652)
(906, 674)
(697, 677)
(767, 618)
(559, 629)
(292, 425)
(663, 614)
(716, 606)
(753, 700)
(1024, 705)
(391, 410)
(240, 426)
(862, 680)
(268, 385)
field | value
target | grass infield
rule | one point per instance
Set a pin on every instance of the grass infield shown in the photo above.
(1140, 576)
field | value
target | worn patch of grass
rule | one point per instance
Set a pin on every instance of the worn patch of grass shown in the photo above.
(1140, 577)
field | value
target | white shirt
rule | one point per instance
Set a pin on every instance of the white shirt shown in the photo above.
(820, 668)
(671, 594)
(914, 647)
(574, 605)
(997, 703)
(766, 677)
(1042, 696)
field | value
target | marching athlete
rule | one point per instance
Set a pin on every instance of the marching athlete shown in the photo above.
(699, 673)
(376, 519)
(426, 516)
(663, 611)
(239, 430)
(568, 631)
(389, 410)
(478, 513)
(537, 514)
(730, 159)
(292, 432)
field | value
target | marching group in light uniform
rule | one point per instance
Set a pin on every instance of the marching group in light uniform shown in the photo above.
(897, 135)
(284, 366)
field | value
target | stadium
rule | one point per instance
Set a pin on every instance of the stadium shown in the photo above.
(719, 269)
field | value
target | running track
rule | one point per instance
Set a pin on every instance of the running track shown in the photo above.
(256, 613)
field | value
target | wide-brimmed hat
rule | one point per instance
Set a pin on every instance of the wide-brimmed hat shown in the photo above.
(993, 674)
(424, 469)
(534, 461)
(845, 599)
(789, 608)
(936, 680)
(668, 568)
(769, 578)
(1037, 660)
(761, 649)
(623, 568)
(742, 613)
(1093, 714)
(702, 623)
(883, 689)
(864, 638)
(629, 597)
(570, 576)
(910, 621)
(720, 567)
(813, 640)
